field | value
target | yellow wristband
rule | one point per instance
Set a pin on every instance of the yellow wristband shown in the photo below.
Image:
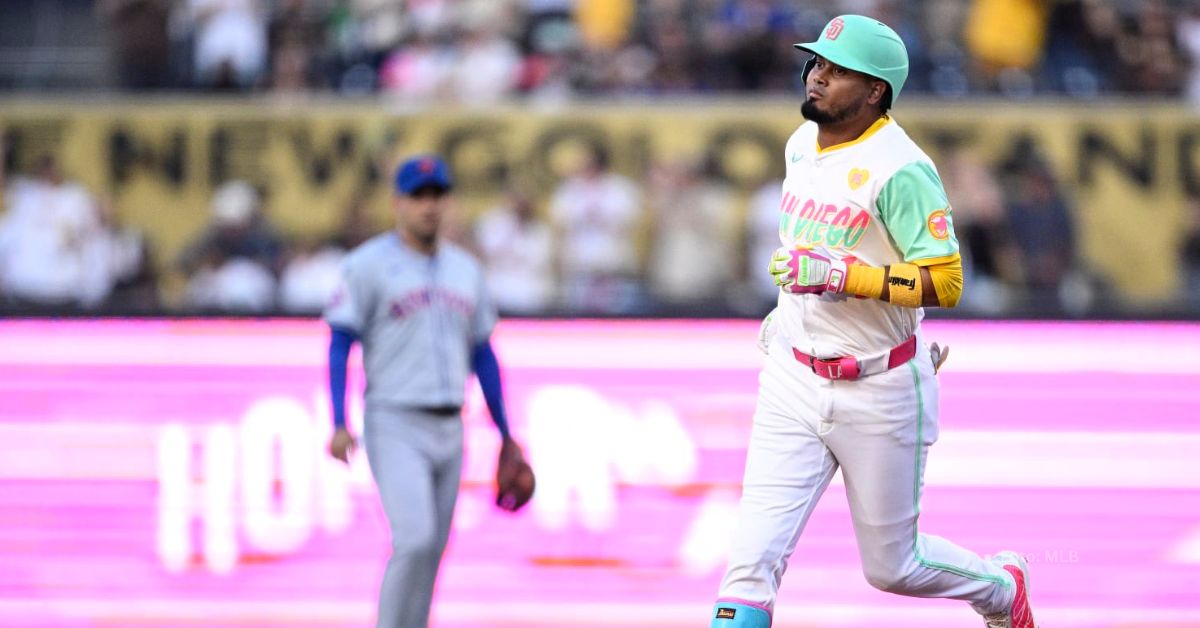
(864, 281)
(904, 285)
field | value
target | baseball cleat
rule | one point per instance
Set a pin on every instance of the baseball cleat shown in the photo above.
(1020, 615)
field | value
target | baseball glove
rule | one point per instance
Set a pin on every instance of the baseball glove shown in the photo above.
(514, 477)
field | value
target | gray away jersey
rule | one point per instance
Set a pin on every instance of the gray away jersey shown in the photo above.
(418, 318)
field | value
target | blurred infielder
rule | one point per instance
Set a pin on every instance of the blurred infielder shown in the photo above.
(848, 381)
(421, 310)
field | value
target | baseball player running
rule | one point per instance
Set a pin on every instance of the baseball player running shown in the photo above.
(420, 308)
(848, 382)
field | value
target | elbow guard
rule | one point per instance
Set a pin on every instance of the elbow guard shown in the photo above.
(947, 281)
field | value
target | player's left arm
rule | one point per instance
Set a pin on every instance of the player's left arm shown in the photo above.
(487, 370)
(484, 362)
(515, 481)
(909, 284)
(916, 212)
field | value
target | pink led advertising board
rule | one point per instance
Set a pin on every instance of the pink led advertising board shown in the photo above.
(171, 473)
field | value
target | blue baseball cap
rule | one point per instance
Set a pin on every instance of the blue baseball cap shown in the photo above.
(423, 171)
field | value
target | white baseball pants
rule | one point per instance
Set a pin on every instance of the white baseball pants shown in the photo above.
(878, 430)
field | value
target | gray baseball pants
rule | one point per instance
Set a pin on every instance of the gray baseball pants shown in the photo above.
(416, 460)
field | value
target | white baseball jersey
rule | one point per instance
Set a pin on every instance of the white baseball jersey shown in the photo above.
(877, 199)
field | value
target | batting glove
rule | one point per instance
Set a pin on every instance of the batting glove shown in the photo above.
(806, 271)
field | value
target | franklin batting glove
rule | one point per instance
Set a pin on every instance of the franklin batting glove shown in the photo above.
(806, 271)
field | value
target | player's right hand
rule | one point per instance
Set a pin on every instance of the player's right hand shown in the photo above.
(342, 444)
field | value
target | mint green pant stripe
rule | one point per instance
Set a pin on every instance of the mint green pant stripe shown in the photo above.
(920, 445)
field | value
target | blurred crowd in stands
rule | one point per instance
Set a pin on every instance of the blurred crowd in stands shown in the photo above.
(60, 248)
(478, 52)
(674, 242)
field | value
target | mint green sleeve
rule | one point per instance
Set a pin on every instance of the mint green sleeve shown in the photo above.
(917, 214)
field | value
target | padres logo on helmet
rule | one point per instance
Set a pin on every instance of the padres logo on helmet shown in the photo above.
(865, 45)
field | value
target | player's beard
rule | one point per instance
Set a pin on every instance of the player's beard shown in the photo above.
(421, 235)
(424, 235)
(810, 112)
(425, 238)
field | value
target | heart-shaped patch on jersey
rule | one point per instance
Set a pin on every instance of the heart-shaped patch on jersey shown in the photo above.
(857, 178)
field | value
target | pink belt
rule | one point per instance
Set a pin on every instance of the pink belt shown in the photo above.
(851, 368)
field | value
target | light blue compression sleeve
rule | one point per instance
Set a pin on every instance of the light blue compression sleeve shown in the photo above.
(487, 369)
(340, 341)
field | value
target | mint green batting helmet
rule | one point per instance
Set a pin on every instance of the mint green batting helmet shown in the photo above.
(865, 45)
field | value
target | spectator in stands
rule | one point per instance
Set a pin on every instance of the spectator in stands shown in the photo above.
(419, 71)
(1081, 56)
(141, 45)
(1188, 34)
(551, 73)
(1155, 59)
(232, 266)
(1006, 38)
(605, 24)
(1189, 255)
(230, 43)
(296, 38)
(377, 26)
(676, 58)
(360, 34)
(620, 46)
(434, 18)
(941, 23)
(53, 248)
(553, 69)
(356, 225)
(238, 229)
(749, 45)
(691, 237)
(517, 250)
(310, 276)
(543, 16)
(761, 239)
(486, 67)
(595, 213)
(235, 286)
(312, 266)
(132, 280)
(1044, 231)
(991, 262)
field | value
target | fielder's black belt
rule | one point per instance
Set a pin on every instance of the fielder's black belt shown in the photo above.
(439, 410)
